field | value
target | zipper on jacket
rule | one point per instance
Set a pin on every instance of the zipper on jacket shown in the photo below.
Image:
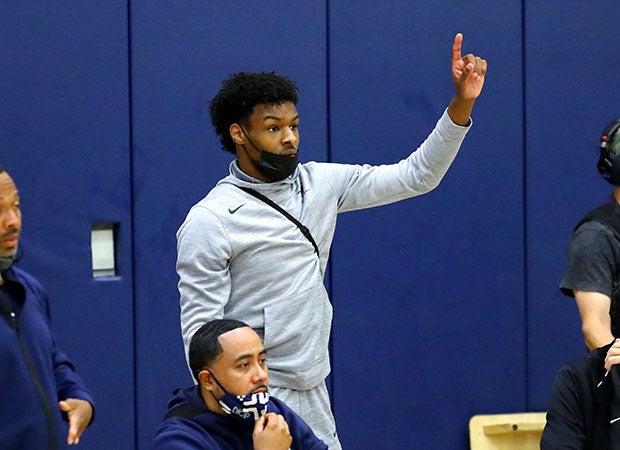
(47, 410)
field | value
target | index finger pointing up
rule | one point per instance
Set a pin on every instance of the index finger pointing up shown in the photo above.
(456, 47)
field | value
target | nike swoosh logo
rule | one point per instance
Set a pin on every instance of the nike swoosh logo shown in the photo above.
(232, 211)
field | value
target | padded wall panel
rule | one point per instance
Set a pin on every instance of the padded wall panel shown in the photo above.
(572, 93)
(428, 293)
(434, 309)
(65, 140)
(181, 52)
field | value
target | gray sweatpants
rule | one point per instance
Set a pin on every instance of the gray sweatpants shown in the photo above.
(314, 407)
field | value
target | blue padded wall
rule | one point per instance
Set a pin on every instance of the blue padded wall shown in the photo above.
(428, 293)
(181, 52)
(445, 306)
(64, 128)
(572, 93)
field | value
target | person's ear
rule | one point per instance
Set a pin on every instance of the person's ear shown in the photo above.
(236, 133)
(206, 380)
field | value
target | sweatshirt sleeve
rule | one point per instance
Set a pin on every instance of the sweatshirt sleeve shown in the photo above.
(365, 186)
(203, 255)
(68, 383)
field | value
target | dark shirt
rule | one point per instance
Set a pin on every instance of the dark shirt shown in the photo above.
(593, 258)
(579, 413)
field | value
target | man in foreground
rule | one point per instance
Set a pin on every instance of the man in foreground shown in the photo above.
(230, 408)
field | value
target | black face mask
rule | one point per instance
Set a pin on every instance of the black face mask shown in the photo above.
(276, 167)
(273, 166)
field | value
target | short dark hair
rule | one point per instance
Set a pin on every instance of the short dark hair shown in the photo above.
(205, 346)
(2, 169)
(240, 93)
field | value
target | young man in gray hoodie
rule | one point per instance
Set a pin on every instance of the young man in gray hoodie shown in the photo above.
(241, 257)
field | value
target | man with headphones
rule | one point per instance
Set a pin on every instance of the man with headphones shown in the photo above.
(593, 260)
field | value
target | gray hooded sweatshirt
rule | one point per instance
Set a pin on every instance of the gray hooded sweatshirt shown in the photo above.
(241, 259)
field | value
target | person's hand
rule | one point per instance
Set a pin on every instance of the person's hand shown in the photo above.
(613, 355)
(467, 72)
(271, 433)
(79, 412)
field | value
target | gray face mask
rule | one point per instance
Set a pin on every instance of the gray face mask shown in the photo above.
(6, 262)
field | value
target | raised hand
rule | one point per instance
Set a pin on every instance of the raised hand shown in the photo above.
(467, 71)
(468, 74)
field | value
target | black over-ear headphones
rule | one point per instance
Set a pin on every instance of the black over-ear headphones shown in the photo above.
(609, 162)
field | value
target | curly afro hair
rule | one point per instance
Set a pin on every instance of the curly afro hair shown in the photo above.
(239, 94)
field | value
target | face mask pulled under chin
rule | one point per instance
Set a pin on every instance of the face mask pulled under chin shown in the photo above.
(247, 408)
(6, 262)
(275, 167)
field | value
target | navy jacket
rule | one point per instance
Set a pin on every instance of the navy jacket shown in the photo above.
(34, 373)
(211, 431)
